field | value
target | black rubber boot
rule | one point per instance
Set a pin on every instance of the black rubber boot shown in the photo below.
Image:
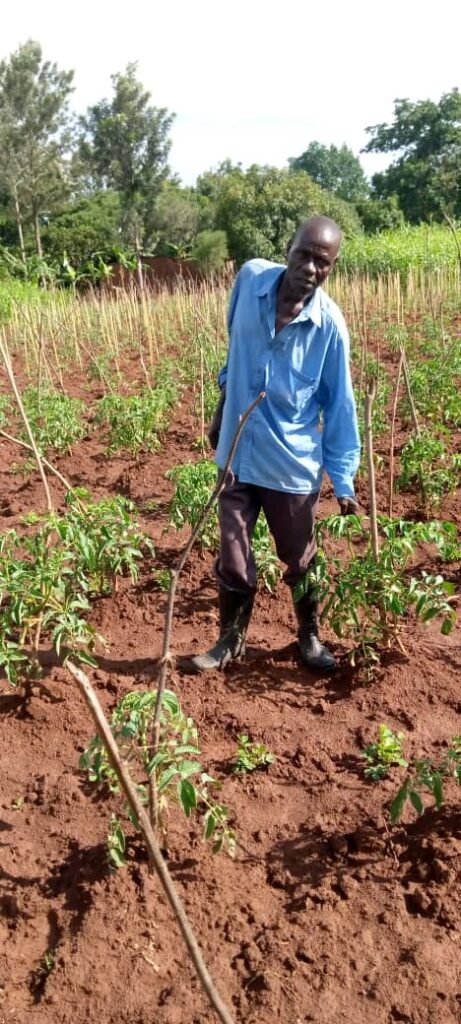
(235, 608)
(313, 653)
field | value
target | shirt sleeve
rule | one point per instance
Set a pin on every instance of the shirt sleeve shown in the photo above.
(222, 375)
(341, 441)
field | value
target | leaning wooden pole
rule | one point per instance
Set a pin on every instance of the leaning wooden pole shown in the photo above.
(129, 789)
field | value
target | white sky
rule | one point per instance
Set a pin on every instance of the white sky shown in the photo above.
(251, 81)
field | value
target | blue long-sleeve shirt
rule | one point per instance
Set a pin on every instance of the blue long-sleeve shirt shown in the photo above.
(304, 370)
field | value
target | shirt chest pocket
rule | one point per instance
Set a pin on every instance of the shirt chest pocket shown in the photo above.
(291, 389)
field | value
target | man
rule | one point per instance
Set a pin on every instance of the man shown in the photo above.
(289, 339)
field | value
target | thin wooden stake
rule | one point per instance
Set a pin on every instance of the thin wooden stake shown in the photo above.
(391, 445)
(9, 370)
(129, 789)
(49, 465)
(369, 399)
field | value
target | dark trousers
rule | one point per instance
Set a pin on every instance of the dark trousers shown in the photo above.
(290, 519)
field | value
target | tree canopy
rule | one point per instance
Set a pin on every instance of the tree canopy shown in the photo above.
(335, 169)
(261, 208)
(33, 135)
(125, 144)
(426, 174)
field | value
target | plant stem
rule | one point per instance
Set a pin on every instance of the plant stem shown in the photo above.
(129, 789)
(165, 660)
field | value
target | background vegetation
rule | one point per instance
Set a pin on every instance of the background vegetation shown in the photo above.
(77, 193)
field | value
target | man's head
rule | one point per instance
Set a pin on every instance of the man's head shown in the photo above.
(312, 254)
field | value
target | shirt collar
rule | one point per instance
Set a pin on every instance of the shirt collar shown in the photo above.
(311, 311)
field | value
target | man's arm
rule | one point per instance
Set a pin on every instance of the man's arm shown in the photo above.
(215, 425)
(341, 441)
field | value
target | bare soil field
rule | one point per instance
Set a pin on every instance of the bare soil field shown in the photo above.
(327, 913)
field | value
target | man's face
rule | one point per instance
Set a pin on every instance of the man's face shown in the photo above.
(311, 259)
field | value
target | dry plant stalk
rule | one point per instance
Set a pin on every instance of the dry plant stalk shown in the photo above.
(129, 789)
(369, 399)
(10, 374)
(49, 465)
(391, 443)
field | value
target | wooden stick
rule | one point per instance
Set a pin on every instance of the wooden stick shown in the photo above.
(414, 417)
(49, 465)
(391, 446)
(369, 399)
(129, 789)
(9, 369)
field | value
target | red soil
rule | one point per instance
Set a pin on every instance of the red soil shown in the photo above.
(325, 914)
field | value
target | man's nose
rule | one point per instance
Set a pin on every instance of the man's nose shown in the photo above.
(310, 266)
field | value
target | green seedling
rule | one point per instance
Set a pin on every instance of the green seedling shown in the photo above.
(162, 578)
(251, 756)
(424, 775)
(387, 751)
(175, 770)
(116, 843)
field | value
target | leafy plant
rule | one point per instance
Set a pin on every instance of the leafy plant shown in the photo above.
(373, 370)
(134, 422)
(48, 576)
(251, 756)
(5, 405)
(367, 599)
(193, 486)
(425, 775)
(425, 459)
(56, 419)
(178, 776)
(162, 578)
(385, 752)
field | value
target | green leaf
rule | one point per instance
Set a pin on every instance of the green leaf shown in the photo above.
(210, 824)
(116, 857)
(187, 768)
(187, 796)
(398, 802)
(416, 801)
(438, 789)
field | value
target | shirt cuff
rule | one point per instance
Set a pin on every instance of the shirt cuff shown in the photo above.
(343, 486)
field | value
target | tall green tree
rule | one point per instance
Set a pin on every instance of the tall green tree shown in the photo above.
(34, 135)
(335, 169)
(426, 174)
(260, 209)
(125, 144)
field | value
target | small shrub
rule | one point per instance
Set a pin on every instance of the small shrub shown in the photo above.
(56, 420)
(179, 779)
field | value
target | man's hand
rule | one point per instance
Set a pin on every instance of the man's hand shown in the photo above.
(348, 506)
(215, 425)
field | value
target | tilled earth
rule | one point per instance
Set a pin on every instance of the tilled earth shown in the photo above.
(326, 913)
